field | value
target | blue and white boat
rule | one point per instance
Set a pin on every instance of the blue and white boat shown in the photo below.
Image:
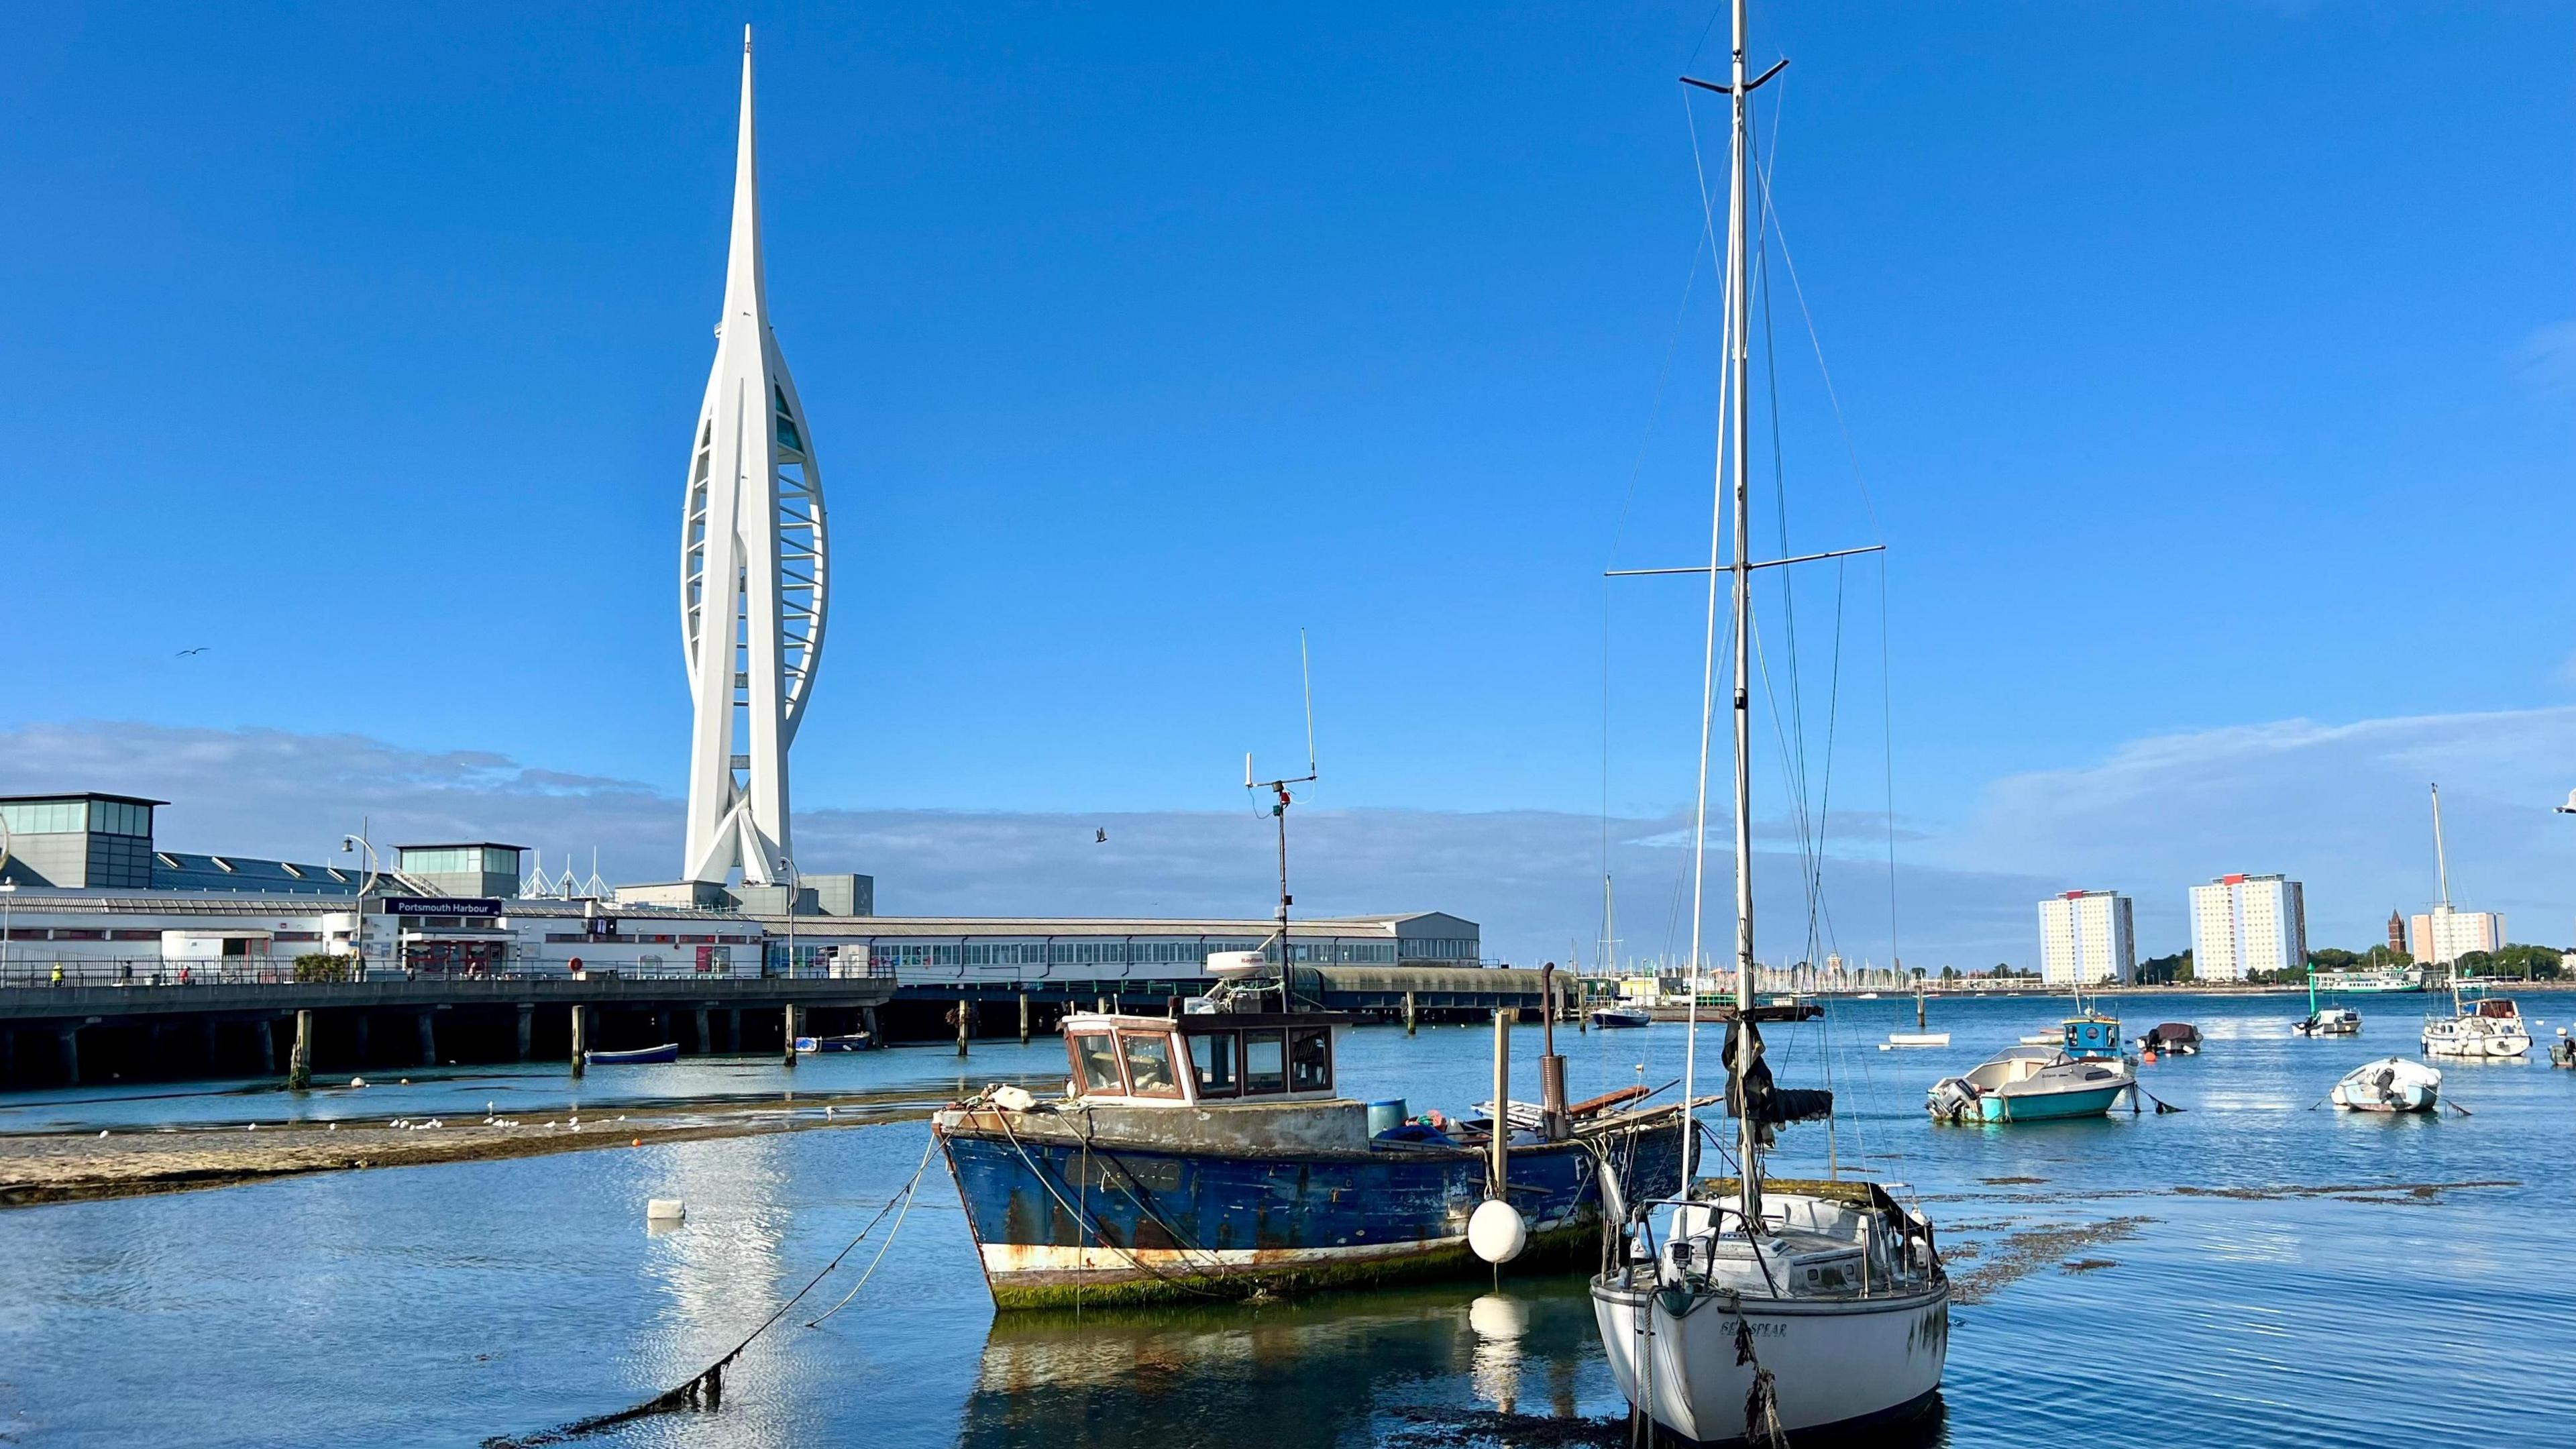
(2081, 1076)
(1213, 1154)
(668, 1051)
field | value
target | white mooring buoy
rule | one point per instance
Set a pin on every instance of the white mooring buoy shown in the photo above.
(1496, 1231)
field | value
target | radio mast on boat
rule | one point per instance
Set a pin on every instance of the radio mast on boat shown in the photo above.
(1279, 803)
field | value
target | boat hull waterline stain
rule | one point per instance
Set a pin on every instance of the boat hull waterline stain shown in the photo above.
(1178, 1225)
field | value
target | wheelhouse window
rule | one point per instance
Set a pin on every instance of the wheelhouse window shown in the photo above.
(1095, 1063)
(1212, 1058)
(1265, 1062)
(1149, 1064)
(1310, 1060)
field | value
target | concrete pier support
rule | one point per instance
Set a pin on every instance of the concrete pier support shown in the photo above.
(733, 1030)
(706, 1034)
(868, 1018)
(8, 1055)
(1408, 1013)
(662, 1027)
(787, 1047)
(299, 1064)
(71, 1054)
(427, 1025)
(527, 1028)
(207, 1044)
(580, 1038)
(358, 1028)
(1024, 1018)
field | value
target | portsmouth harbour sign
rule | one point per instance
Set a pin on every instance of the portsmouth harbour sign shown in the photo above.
(439, 906)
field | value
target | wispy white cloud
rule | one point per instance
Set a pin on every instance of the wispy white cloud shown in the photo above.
(1531, 879)
(2343, 808)
(2549, 358)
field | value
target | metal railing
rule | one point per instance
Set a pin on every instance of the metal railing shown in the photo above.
(276, 971)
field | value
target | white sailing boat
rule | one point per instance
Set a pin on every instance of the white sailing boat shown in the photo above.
(1745, 1310)
(2489, 1026)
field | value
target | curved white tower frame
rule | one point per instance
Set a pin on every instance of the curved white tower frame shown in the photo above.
(753, 586)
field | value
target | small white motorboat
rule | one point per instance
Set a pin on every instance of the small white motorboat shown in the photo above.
(2391, 1084)
(2330, 1021)
(2042, 1038)
(1916, 1039)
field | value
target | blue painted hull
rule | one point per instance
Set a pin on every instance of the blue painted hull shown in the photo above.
(2051, 1107)
(1056, 1223)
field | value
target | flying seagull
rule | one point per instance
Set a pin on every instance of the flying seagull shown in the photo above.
(200, 649)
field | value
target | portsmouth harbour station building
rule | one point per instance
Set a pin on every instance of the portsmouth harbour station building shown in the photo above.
(89, 889)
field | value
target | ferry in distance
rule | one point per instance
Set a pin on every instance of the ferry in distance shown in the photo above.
(2384, 980)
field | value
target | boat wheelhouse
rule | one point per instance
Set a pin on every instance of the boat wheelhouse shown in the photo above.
(1201, 1058)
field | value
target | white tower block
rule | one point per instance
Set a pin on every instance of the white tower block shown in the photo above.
(752, 582)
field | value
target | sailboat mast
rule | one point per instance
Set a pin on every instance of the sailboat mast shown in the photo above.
(2441, 865)
(1739, 437)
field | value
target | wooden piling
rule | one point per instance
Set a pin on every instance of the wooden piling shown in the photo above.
(965, 1022)
(208, 1045)
(868, 1018)
(71, 1054)
(706, 1034)
(358, 1025)
(299, 1062)
(1408, 1013)
(527, 1028)
(428, 1026)
(1024, 1018)
(733, 1030)
(787, 1048)
(580, 1038)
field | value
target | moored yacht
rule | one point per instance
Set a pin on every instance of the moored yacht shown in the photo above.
(2489, 1026)
(1747, 1309)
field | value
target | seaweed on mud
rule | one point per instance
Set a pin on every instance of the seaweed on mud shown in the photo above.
(2024, 1252)
(2089, 1265)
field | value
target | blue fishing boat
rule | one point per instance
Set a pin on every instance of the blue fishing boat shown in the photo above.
(668, 1051)
(1212, 1154)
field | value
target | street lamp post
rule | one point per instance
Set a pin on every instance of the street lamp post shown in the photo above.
(795, 888)
(358, 917)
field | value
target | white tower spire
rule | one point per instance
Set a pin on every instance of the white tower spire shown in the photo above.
(753, 587)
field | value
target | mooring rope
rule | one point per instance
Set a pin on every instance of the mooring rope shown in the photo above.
(706, 1388)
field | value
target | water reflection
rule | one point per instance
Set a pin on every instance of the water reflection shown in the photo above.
(1321, 1371)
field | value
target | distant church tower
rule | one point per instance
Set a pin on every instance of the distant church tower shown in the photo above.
(753, 586)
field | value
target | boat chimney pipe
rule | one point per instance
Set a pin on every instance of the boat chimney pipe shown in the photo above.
(1502, 1100)
(1551, 1067)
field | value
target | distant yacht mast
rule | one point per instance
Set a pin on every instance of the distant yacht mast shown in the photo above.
(753, 587)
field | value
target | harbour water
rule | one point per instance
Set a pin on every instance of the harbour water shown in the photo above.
(2247, 1272)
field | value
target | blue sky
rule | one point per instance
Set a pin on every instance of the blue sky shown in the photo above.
(2209, 367)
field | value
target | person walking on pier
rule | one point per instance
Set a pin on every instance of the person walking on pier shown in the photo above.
(58, 973)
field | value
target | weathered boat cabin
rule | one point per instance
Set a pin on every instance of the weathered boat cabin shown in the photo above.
(1202, 1058)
